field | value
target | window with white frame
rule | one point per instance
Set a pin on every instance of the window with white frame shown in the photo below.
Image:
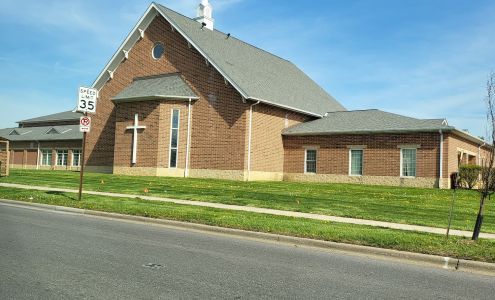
(310, 161)
(408, 162)
(356, 162)
(46, 157)
(76, 158)
(174, 138)
(62, 157)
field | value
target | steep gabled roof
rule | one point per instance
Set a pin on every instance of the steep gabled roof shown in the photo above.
(256, 74)
(366, 121)
(62, 116)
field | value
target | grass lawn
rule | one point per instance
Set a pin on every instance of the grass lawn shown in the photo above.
(429, 207)
(483, 250)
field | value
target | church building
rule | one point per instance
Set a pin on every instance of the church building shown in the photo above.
(180, 98)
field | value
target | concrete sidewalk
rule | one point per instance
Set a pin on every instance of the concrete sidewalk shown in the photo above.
(269, 211)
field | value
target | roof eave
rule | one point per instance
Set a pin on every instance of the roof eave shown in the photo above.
(286, 107)
(368, 132)
(154, 97)
(55, 120)
(119, 54)
(152, 11)
(470, 137)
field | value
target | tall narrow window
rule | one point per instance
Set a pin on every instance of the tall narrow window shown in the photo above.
(310, 161)
(62, 157)
(174, 138)
(356, 162)
(46, 157)
(408, 162)
(76, 158)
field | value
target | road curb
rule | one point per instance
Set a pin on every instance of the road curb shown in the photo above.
(407, 257)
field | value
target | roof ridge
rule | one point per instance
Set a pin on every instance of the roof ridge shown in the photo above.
(221, 32)
(36, 119)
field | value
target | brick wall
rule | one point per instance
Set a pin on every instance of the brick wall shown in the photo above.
(381, 156)
(267, 149)
(24, 154)
(455, 144)
(218, 119)
(154, 141)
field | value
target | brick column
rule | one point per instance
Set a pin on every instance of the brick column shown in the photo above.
(69, 159)
(54, 159)
(24, 158)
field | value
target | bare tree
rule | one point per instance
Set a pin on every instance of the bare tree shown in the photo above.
(487, 182)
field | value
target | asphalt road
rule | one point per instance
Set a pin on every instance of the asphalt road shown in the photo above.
(52, 255)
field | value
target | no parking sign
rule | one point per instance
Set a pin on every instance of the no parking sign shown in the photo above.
(84, 124)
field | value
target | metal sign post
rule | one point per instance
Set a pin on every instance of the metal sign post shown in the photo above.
(86, 103)
(81, 171)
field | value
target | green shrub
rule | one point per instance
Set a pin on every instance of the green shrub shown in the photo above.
(469, 175)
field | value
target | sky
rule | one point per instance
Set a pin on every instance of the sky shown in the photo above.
(420, 58)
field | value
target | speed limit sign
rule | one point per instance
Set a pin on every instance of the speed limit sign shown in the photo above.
(87, 100)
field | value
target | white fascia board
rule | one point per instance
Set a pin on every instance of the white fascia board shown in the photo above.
(135, 35)
(156, 97)
(128, 43)
(287, 107)
(470, 137)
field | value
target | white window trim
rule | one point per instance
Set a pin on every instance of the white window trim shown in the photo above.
(73, 155)
(362, 162)
(153, 50)
(306, 160)
(402, 162)
(66, 158)
(51, 156)
(170, 142)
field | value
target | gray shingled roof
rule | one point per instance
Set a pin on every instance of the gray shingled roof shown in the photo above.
(66, 132)
(63, 116)
(366, 121)
(170, 86)
(257, 73)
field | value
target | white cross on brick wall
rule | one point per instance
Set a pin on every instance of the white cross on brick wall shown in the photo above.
(135, 127)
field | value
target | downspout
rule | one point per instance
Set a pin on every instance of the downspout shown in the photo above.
(249, 139)
(441, 161)
(188, 143)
